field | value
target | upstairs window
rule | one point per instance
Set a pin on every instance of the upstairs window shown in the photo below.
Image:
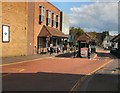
(54, 22)
(48, 17)
(41, 14)
(57, 21)
(53, 19)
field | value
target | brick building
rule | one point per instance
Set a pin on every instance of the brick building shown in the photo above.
(29, 28)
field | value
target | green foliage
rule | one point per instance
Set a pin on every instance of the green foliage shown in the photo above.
(93, 34)
(76, 32)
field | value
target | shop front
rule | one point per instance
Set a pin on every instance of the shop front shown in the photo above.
(49, 36)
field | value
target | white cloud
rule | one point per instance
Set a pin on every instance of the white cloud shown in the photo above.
(105, 0)
(96, 16)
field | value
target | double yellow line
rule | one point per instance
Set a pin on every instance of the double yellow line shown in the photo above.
(75, 87)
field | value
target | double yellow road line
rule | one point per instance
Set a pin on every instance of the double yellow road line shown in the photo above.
(75, 87)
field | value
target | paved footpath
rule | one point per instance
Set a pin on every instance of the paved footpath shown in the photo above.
(51, 73)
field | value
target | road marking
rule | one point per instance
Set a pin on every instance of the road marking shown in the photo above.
(21, 70)
(76, 85)
(99, 67)
(81, 79)
(6, 75)
(21, 62)
(25, 61)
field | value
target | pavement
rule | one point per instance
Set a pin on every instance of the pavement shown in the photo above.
(52, 73)
(6, 60)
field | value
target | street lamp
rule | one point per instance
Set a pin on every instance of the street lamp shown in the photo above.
(74, 45)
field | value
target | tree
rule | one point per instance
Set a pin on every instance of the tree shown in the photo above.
(76, 32)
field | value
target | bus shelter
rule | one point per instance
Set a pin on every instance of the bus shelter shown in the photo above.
(86, 45)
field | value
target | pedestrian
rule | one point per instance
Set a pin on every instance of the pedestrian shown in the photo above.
(51, 49)
(48, 49)
(58, 50)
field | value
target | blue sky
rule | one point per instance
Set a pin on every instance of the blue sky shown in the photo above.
(65, 6)
(91, 16)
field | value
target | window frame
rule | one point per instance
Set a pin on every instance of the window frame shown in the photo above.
(48, 17)
(41, 14)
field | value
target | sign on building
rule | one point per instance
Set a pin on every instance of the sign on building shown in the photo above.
(5, 33)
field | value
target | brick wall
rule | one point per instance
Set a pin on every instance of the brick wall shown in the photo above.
(23, 19)
(30, 34)
(14, 15)
(37, 26)
(0, 29)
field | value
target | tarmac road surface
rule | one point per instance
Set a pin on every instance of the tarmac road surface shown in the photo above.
(51, 73)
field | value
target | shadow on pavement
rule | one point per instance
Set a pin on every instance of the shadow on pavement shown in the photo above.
(39, 81)
(104, 55)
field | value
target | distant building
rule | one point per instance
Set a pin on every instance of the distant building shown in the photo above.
(65, 27)
(104, 39)
(116, 46)
(65, 23)
(115, 42)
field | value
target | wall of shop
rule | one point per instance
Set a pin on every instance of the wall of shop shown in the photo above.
(0, 29)
(37, 26)
(14, 14)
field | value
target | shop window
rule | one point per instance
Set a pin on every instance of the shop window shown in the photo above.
(5, 33)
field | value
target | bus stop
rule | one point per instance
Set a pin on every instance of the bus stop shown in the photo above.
(86, 45)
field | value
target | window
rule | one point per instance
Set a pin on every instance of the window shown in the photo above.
(57, 21)
(41, 14)
(54, 22)
(48, 17)
(53, 19)
(5, 33)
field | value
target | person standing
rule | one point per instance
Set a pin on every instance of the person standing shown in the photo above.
(51, 49)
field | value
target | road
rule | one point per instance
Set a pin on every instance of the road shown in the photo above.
(105, 79)
(51, 73)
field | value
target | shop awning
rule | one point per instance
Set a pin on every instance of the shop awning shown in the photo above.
(47, 31)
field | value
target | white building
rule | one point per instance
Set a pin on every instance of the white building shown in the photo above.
(106, 41)
(65, 24)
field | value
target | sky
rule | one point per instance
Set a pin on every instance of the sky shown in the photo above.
(91, 16)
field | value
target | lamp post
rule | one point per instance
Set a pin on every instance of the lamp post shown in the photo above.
(74, 45)
(62, 44)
